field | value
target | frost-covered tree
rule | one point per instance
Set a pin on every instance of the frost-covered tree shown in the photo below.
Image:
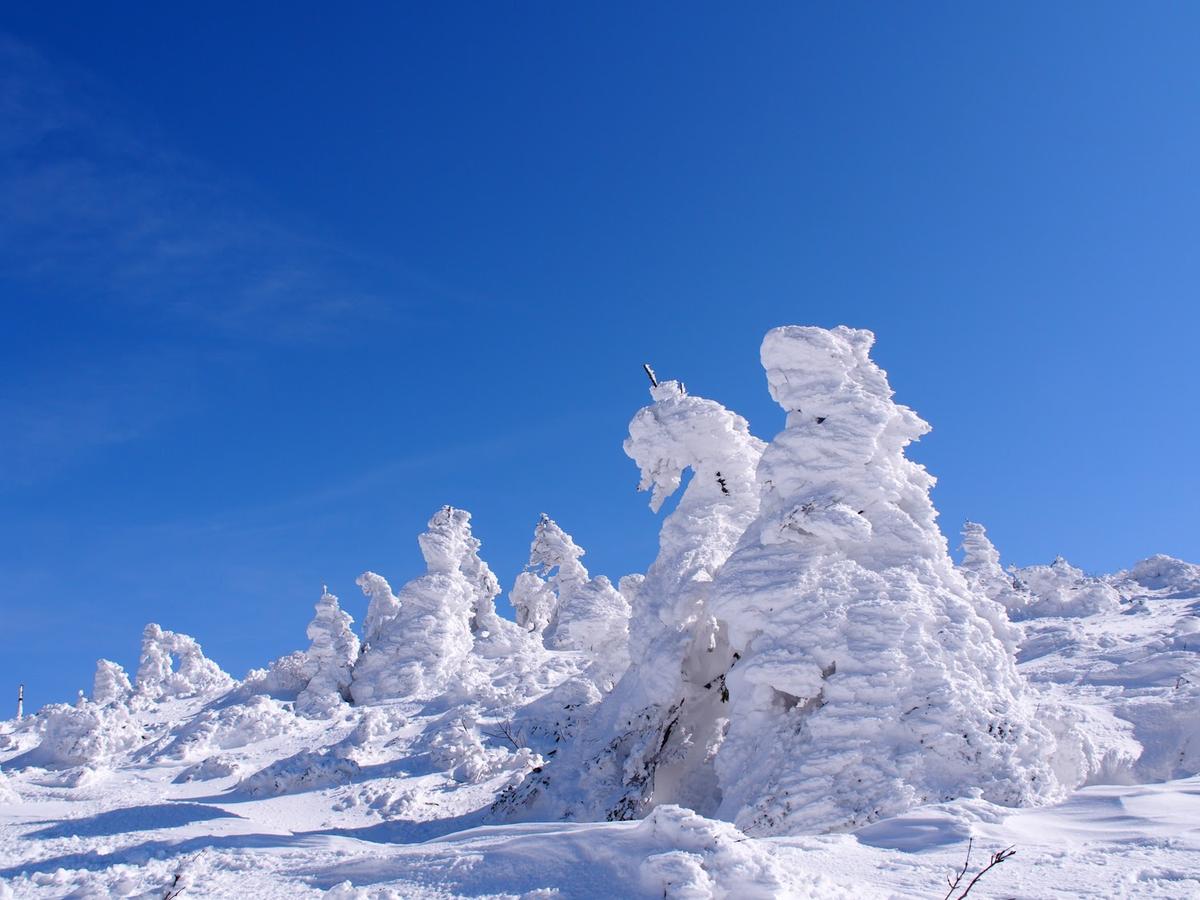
(534, 602)
(110, 683)
(664, 718)
(83, 735)
(981, 568)
(534, 596)
(651, 740)
(330, 659)
(556, 596)
(382, 605)
(1060, 589)
(173, 665)
(423, 649)
(865, 679)
(1159, 572)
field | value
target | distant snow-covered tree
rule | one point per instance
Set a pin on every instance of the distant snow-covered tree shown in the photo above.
(556, 596)
(173, 665)
(428, 642)
(110, 683)
(1060, 589)
(382, 605)
(330, 659)
(981, 568)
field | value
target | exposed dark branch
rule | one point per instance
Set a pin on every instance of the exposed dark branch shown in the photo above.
(998, 857)
(650, 374)
(514, 736)
(994, 860)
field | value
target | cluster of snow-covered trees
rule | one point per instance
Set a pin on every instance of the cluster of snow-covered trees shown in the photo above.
(803, 654)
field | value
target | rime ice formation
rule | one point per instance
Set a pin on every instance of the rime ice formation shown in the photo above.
(981, 567)
(557, 598)
(984, 576)
(423, 649)
(1157, 573)
(110, 684)
(381, 608)
(83, 735)
(284, 677)
(157, 675)
(329, 660)
(534, 601)
(865, 680)
(1060, 589)
(651, 740)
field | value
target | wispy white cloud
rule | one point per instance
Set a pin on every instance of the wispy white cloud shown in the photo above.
(97, 209)
(97, 205)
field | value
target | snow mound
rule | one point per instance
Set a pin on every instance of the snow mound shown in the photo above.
(8, 794)
(1130, 670)
(1060, 589)
(82, 735)
(1164, 573)
(224, 728)
(304, 771)
(457, 747)
(284, 678)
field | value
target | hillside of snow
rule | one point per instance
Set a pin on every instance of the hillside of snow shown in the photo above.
(803, 696)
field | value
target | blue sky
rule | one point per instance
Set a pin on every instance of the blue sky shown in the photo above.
(275, 287)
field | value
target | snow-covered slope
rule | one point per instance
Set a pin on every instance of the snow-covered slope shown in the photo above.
(802, 697)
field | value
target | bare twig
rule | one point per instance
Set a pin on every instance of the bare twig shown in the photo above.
(994, 860)
(998, 857)
(513, 735)
(650, 374)
(172, 893)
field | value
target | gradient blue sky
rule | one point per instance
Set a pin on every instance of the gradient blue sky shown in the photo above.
(278, 284)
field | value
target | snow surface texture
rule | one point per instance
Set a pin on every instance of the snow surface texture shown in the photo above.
(802, 660)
